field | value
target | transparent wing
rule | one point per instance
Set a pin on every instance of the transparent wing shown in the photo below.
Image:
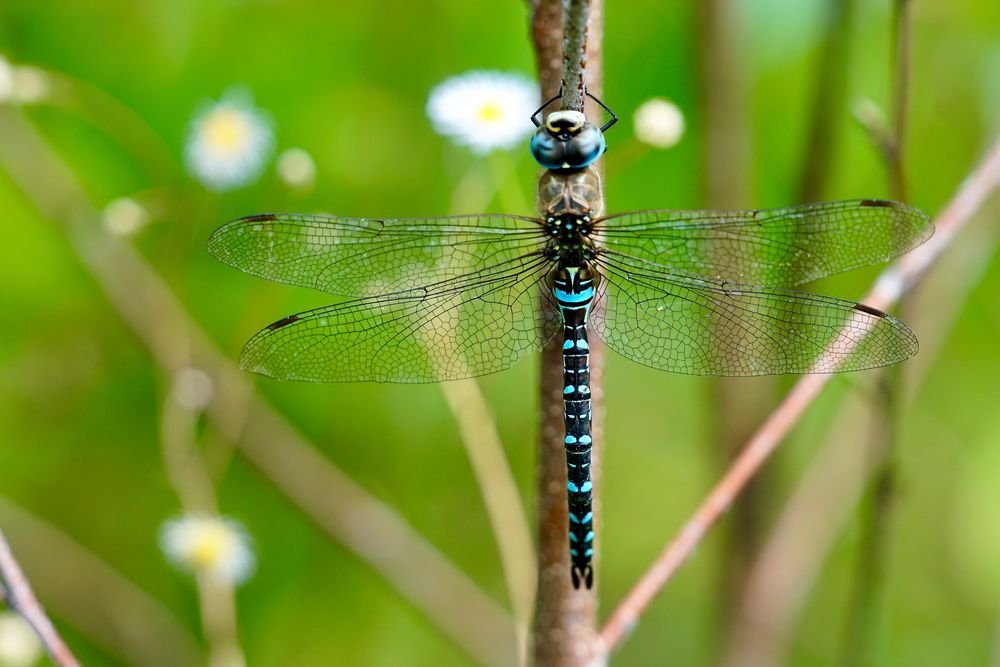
(463, 327)
(366, 256)
(687, 324)
(779, 247)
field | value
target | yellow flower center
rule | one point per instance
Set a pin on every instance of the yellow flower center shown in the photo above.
(226, 130)
(209, 546)
(490, 112)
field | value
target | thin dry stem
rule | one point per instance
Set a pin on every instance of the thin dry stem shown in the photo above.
(350, 515)
(740, 403)
(194, 487)
(501, 498)
(575, 54)
(94, 599)
(825, 496)
(19, 597)
(482, 444)
(890, 286)
(898, 185)
(872, 556)
(817, 510)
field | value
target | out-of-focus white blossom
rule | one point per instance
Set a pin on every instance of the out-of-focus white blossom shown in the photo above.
(21, 83)
(193, 388)
(229, 142)
(31, 84)
(484, 110)
(216, 546)
(19, 645)
(296, 168)
(125, 217)
(659, 123)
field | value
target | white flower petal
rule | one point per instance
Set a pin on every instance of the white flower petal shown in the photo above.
(484, 110)
(229, 142)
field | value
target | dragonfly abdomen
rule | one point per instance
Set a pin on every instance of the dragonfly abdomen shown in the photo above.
(574, 290)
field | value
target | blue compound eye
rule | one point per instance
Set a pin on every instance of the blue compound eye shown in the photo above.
(585, 147)
(548, 151)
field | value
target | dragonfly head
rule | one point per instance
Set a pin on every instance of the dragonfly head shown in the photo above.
(567, 141)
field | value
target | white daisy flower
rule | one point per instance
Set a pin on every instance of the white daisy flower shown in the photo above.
(125, 217)
(659, 123)
(19, 645)
(296, 168)
(484, 110)
(229, 142)
(216, 546)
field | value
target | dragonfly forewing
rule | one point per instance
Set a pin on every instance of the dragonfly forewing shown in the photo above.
(357, 257)
(780, 247)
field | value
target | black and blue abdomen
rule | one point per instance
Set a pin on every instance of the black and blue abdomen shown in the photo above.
(574, 288)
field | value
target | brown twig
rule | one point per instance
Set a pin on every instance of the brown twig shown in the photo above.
(21, 599)
(345, 511)
(95, 600)
(890, 286)
(821, 504)
(574, 53)
(565, 618)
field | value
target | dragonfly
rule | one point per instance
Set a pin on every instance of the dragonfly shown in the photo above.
(695, 292)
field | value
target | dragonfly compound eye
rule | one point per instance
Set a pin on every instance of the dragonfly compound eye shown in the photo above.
(567, 142)
(585, 147)
(547, 150)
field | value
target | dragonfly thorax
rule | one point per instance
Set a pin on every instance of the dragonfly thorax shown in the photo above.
(569, 238)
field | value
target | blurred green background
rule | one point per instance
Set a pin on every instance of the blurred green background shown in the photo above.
(81, 399)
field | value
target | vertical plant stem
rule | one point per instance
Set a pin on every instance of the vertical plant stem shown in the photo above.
(503, 503)
(903, 33)
(870, 577)
(508, 518)
(736, 405)
(565, 618)
(196, 491)
(870, 573)
(575, 54)
(829, 101)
